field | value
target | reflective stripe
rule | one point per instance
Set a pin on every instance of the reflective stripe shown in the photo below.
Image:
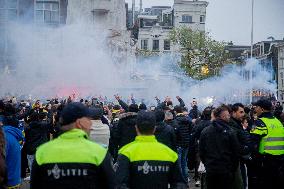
(260, 128)
(274, 139)
(273, 147)
(14, 187)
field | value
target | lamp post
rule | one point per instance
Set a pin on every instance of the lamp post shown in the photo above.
(251, 50)
(252, 29)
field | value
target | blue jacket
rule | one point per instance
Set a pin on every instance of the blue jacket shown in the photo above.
(13, 137)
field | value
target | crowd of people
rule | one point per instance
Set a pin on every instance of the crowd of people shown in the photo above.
(100, 144)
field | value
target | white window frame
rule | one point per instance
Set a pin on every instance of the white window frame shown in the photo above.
(158, 45)
(47, 7)
(144, 44)
(202, 19)
(6, 9)
(167, 40)
(185, 20)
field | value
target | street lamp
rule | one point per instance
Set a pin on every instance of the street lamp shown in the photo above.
(251, 49)
(252, 20)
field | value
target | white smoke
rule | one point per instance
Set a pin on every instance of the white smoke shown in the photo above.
(57, 62)
(51, 59)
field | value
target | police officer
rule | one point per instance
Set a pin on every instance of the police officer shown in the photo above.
(268, 139)
(72, 160)
(146, 163)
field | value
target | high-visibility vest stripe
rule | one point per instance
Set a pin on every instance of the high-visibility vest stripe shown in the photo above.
(273, 147)
(274, 139)
(273, 142)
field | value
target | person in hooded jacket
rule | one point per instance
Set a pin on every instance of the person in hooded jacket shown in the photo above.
(183, 138)
(169, 120)
(200, 124)
(126, 132)
(219, 151)
(3, 175)
(164, 133)
(36, 134)
(13, 140)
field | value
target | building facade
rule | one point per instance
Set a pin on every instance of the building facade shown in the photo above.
(40, 12)
(155, 26)
(106, 14)
(280, 83)
(190, 14)
(9, 13)
(109, 15)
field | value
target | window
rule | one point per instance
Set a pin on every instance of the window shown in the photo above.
(144, 44)
(47, 12)
(12, 14)
(156, 44)
(281, 75)
(39, 6)
(167, 45)
(8, 10)
(282, 81)
(2, 14)
(2, 45)
(202, 19)
(12, 4)
(2, 4)
(186, 18)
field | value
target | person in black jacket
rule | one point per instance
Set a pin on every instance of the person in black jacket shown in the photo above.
(164, 133)
(278, 109)
(147, 163)
(126, 132)
(194, 113)
(72, 160)
(200, 124)
(237, 116)
(219, 151)
(36, 134)
(183, 139)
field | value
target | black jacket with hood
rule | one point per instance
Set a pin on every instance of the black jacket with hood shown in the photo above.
(219, 148)
(36, 134)
(183, 130)
(126, 131)
(165, 134)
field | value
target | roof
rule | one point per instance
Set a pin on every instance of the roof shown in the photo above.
(150, 17)
(190, 1)
(161, 7)
(274, 41)
(167, 11)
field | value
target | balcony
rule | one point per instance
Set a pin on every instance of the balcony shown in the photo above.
(101, 7)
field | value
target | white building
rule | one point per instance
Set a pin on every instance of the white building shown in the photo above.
(106, 14)
(190, 13)
(154, 31)
(152, 36)
(280, 85)
(107, 17)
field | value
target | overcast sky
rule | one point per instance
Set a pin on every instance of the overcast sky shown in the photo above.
(230, 20)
